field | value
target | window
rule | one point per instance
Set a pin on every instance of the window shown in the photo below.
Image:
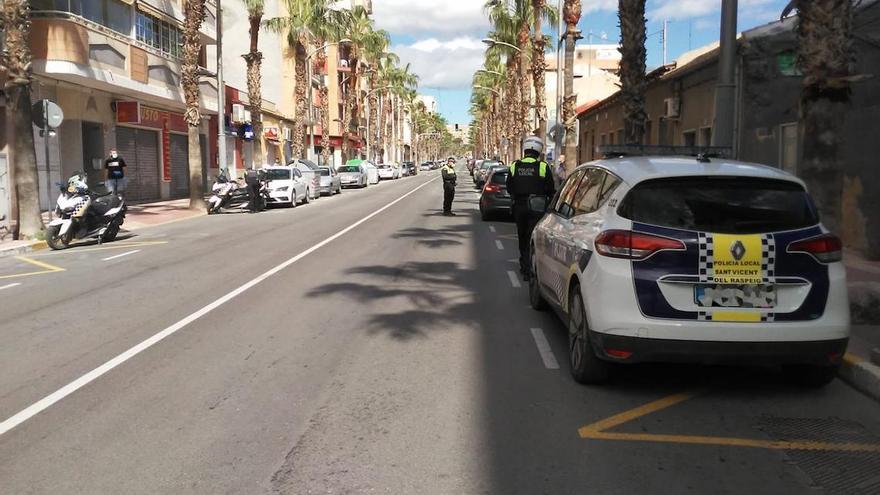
(603, 140)
(586, 199)
(113, 14)
(689, 138)
(564, 203)
(729, 205)
(161, 35)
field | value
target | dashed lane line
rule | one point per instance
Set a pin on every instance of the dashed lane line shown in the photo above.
(499, 245)
(121, 255)
(544, 349)
(9, 286)
(491, 228)
(514, 280)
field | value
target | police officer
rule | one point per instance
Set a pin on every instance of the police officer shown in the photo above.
(449, 179)
(252, 181)
(529, 177)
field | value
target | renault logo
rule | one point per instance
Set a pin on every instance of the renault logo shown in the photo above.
(737, 250)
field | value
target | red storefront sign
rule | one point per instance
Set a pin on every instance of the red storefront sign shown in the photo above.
(166, 151)
(128, 112)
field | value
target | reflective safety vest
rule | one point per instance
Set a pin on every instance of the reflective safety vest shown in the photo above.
(542, 168)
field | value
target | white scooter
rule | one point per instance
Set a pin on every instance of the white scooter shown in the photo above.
(81, 214)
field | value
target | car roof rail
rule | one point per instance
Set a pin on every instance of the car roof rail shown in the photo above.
(701, 153)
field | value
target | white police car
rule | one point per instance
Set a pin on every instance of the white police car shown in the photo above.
(686, 259)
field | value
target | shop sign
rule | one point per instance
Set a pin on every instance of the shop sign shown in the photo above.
(128, 112)
(271, 133)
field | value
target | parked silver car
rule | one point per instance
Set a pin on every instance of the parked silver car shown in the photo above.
(352, 176)
(330, 183)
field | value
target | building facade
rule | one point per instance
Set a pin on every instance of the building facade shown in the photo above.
(679, 101)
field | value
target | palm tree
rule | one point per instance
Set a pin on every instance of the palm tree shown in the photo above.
(254, 59)
(358, 30)
(540, 10)
(194, 15)
(571, 12)
(329, 30)
(631, 14)
(511, 27)
(374, 47)
(825, 57)
(16, 62)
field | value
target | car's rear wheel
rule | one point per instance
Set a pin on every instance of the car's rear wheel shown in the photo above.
(308, 197)
(585, 366)
(535, 298)
(811, 376)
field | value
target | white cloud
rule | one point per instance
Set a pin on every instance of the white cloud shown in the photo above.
(443, 64)
(426, 17)
(599, 5)
(689, 9)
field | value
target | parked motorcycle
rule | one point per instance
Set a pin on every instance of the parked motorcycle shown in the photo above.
(229, 194)
(81, 214)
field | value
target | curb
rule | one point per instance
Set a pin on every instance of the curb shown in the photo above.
(25, 249)
(862, 375)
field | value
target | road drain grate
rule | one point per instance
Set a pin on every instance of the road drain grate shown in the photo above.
(837, 472)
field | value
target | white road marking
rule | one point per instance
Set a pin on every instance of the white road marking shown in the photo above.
(514, 280)
(499, 245)
(9, 286)
(47, 401)
(121, 255)
(544, 349)
(491, 228)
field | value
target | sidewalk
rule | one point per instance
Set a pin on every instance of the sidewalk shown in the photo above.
(139, 216)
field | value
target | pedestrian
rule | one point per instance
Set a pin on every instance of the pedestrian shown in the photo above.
(252, 181)
(114, 173)
(560, 169)
(530, 184)
(449, 179)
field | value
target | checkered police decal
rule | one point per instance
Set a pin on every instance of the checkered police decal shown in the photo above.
(707, 316)
(707, 256)
(768, 258)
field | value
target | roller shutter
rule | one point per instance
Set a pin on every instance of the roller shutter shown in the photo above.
(140, 150)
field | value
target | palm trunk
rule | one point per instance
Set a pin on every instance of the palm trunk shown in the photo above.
(632, 69)
(571, 14)
(16, 62)
(300, 94)
(194, 12)
(325, 126)
(254, 59)
(825, 57)
(538, 68)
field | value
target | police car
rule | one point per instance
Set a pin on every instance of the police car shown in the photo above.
(652, 258)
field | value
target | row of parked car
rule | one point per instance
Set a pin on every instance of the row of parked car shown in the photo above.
(651, 256)
(302, 180)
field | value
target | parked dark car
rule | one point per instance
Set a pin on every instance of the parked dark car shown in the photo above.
(494, 200)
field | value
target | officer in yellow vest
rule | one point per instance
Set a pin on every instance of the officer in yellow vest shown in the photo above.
(530, 178)
(449, 180)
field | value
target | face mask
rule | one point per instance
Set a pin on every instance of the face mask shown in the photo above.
(113, 155)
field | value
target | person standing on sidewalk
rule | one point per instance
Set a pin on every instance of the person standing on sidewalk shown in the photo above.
(530, 181)
(449, 180)
(114, 173)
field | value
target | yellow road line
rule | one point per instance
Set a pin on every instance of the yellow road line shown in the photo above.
(116, 245)
(851, 359)
(47, 268)
(731, 442)
(638, 412)
(40, 264)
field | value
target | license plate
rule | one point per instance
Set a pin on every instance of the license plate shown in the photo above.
(735, 296)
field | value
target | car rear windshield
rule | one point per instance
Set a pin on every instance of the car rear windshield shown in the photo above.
(349, 168)
(729, 205)
(499, 177)
(489, 163)
(277, 174)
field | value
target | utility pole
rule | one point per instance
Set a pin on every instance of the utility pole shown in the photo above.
(665, 32)
(725, 88)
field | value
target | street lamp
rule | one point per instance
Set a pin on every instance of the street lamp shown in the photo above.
(493, 42)
(311, 111)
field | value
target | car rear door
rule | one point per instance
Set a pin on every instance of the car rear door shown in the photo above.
(744, 256)
(549, 236)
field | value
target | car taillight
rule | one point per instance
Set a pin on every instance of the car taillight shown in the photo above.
(492, 188)
(825, 248)
(634, 245)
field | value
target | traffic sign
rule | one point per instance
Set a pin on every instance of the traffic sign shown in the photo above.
(47, 114)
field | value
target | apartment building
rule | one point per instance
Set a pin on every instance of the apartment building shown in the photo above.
(113, 66)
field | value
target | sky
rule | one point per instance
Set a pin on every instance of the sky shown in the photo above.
(441, 38)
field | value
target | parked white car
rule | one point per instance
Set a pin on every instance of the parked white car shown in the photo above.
(389, 171)
(691, 259)
(310, 173)
(286, 185)
(372, 172)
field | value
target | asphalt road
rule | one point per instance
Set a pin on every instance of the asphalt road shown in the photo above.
(323, 350)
